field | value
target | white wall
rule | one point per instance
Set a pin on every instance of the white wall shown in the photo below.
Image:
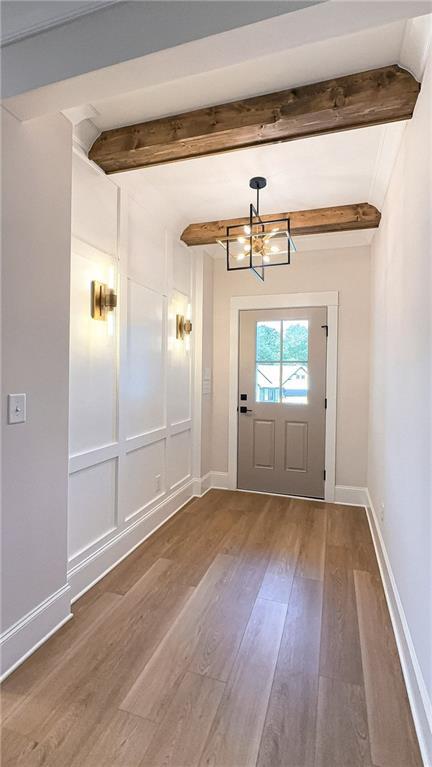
(131, 380)
(345, 270)
(207, 366)
(400, 423)
(36, 201)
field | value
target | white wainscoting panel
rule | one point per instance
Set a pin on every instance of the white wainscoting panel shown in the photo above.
(93, 351)
(179, 363)
(94, 206)
(131, 411)
(92, 506)
(144, 384)
(179, 458)
(146, 247)
(144, 477)
(85, 573)
(182, 268)
(130, 432)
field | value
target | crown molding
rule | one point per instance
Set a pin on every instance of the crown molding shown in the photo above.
(55, 21)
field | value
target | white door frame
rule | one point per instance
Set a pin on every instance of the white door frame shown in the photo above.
(328, 299)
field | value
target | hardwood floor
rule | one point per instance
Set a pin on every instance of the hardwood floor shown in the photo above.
(248, 630)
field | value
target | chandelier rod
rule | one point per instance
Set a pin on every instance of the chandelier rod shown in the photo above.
(257, 182)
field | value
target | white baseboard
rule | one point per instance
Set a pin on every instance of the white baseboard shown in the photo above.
(88, 572)
(420, 702)
(346, 494)
(211, 481)
(219, 479)
(204, 484)
(19, 641)
(353, 496)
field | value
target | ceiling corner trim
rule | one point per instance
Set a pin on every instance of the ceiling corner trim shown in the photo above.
(54, 20)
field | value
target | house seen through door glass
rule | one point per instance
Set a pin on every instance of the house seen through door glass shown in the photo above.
(281, 369)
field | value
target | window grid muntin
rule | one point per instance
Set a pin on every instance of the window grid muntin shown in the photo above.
(302, 397)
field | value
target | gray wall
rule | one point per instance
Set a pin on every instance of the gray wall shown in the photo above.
(345, 270)
(36, 203)
(400, 424)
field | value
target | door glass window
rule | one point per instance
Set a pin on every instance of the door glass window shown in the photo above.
(268, 382)
(281, 370)
(268, 361)
(295, 356)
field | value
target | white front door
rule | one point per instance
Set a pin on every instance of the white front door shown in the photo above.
(281, 401)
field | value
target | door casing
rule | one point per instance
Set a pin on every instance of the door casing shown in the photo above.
(328, 299)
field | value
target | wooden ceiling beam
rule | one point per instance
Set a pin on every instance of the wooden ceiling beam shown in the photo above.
(359, 100)
(341, 218)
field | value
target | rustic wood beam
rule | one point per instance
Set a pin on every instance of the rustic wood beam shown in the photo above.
(341, 218)
(354, 101)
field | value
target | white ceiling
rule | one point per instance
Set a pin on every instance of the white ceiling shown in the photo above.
(336, 169)
(334, 57)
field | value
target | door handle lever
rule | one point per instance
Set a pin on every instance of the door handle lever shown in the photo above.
(244, 409)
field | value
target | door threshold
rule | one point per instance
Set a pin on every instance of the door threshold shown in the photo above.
(282, 495)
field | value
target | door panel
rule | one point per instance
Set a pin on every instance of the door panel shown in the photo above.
(282, 369)
(264, 444)
(296, 446)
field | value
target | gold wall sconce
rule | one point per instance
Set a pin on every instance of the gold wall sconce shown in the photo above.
(103, 300)
(183, 327)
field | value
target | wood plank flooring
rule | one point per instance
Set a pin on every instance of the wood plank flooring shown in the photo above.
(248, 630)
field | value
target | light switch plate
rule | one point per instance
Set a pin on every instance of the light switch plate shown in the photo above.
(16, 408)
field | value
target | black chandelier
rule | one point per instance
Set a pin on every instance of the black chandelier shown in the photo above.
(260, 243)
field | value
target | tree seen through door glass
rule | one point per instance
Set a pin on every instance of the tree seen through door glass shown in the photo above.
(268, 361)
(282, 356)
(295, 354)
